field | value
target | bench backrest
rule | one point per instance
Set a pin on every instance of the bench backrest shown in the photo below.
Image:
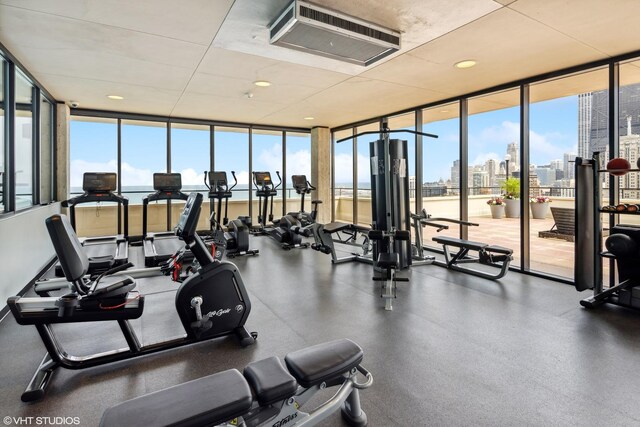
(73, 259)
(565, 220)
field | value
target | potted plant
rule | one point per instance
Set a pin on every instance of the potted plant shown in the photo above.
(496, 204)
(511, 193)
(539, 207)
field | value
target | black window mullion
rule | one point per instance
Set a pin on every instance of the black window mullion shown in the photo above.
(464, 169)
(35, 144)
(10, 131)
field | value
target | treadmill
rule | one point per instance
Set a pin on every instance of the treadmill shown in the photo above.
(104, 252)
(158, 247)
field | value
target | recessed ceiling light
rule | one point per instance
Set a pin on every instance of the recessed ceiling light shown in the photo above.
(467, 63)
(309, 118)
(262, 83)
(116, 97)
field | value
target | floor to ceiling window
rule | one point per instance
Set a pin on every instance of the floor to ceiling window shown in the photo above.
(3, 165)
(231, 153)
(440, 189)
(363, 170)
(267, 157)
(23, 142)
(343, 176)
(494, 168)
(143, 153)
(298, 162)
(47, 193)
(567, 118)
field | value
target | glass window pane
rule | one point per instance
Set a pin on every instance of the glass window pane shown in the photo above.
(267, 157)
(407, 121)
(494, 156)
(568, 116)
(24, 142)
(93, 147)
(3, 166)
(298, 163)
(629, 127)
(190, 157)
(364, 172)
(343, 177)
(144, 152)
(232, 154)
(46, 149)
(441, 169)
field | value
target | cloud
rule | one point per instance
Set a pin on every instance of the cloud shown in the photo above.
(190, 177)
(79, 167)
(299, 163)
(344, 168)
(482, 158)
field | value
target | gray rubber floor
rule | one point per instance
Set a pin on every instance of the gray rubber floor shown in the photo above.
(457, 350)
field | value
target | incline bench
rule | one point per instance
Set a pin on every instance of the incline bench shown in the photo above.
(341, 232)
(491, 255)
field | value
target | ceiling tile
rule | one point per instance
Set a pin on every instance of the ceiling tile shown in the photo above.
(67, 47)
(195, 21)
(609, 26)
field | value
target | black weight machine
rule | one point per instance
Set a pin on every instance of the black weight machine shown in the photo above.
(159, 247)
(287, 230)
(327, 235)
(304, 187)
(211, 303)
(236, 238)
(623, 243)
(390, 207)
(105, 252)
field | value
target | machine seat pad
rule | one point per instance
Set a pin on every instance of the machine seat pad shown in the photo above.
(388, 260)
(323, 362)
(460, 243)
(334, 227)
(316, 202)
(499, 249)
(270, 380)
(206, 401)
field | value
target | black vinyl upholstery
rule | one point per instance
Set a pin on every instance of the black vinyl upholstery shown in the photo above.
(73, 259)
(323, 362)
(206, 401)
(270, 380)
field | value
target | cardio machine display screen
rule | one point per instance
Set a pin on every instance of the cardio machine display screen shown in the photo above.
(99, 182)
(167, 181)
(189, 218)
(299, 182)
(262, 178)
(217, 179)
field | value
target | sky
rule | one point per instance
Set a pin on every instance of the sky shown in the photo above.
(554, 131)
(94, 148)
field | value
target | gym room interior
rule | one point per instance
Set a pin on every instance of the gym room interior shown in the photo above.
(291, 212)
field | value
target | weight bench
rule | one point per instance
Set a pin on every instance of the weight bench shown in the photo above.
(326, 235)
(265, 394)
(491, 255)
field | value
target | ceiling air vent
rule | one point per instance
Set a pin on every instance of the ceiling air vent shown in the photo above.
(314, 29)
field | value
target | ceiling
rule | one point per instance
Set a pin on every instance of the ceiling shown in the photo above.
(199, 58)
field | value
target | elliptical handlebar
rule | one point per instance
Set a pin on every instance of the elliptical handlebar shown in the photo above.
(205, 180)
(235, 180)
(279, 179)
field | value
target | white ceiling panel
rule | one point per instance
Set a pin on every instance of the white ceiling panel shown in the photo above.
(93, 94)
(94, 51)
(609, 26)
(195, 21)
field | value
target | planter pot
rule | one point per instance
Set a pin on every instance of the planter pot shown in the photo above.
(497, 211)
(512, 209)
(539, 210)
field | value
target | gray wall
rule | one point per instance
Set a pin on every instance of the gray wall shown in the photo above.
(25, 248)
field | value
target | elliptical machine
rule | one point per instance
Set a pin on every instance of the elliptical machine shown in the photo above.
(236, 238)
(304, 187)
(286, 230)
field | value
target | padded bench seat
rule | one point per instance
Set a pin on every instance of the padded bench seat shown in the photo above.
(499, 249)
(226, 396)
(460, 243)
(270, 380)
(323, 362)
(388, 260)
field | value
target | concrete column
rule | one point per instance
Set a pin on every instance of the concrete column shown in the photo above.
(321, 171)
(62, 151)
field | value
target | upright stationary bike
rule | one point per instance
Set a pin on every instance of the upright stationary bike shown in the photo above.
(304, 187)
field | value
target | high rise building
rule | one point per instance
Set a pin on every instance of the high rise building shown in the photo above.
(568, 165)
(514, 162)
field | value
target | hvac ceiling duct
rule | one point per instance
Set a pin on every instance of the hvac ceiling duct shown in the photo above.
(313, 29)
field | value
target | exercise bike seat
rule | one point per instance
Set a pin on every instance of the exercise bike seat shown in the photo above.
(323, 362)
(316, 202)
(270, 380)
(227, 396)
